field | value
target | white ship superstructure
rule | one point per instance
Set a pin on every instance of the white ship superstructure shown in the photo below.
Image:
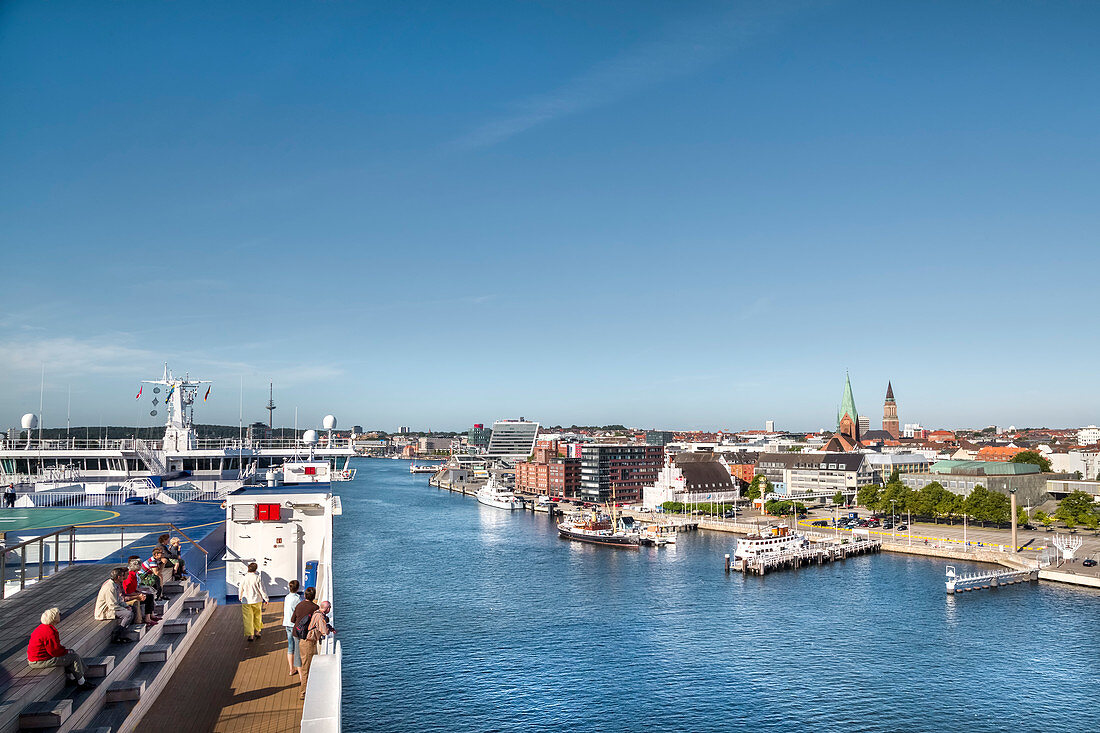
(180, 454)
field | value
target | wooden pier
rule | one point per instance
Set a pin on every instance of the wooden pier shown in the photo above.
(814, 554)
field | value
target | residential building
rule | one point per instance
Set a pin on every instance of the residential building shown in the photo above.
(618, 471)
(914, 430)
(769, 426)
(1088, 436)
(549, 475)
(512, 439)
(741, 465)
(478, 436)
(658, 437)
(864, 424)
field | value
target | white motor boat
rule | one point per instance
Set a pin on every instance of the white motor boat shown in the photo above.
(494, 494)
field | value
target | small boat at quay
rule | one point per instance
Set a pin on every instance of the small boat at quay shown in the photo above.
(423, 467)
(657, 535)
(495, 495)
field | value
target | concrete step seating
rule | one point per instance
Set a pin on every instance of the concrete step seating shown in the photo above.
(125, 674)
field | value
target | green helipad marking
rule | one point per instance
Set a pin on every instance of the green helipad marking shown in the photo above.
(17, 520)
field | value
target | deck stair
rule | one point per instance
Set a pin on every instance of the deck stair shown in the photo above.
(128, 677)
(145, 674)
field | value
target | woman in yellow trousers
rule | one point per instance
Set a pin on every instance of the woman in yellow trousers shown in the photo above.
(253, 600)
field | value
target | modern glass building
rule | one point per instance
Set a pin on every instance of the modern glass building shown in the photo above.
(512, 439)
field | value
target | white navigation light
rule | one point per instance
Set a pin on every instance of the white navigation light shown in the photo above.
(329, 422)
(29, 421)
(309, 437)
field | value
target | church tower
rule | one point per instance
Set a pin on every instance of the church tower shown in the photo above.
(848, 422)
(890, 413)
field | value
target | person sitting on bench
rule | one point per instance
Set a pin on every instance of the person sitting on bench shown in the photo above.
(44, 650)
(167, 564)
(110, 605)
(139, 596)
(174, 555)
(151, 572)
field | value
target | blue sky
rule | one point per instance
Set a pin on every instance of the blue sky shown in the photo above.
(691, 214)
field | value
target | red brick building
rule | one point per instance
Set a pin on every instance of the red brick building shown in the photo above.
(549, 475)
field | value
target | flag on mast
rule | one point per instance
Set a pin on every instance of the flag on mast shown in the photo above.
(206, 395)
(139, 392)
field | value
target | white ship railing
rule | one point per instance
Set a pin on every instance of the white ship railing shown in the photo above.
(134, 445)
(321, 709)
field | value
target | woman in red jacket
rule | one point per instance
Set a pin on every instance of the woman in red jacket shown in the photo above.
(45, 650)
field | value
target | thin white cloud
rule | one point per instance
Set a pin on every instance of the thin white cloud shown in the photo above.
(24, 358)
(683, 49)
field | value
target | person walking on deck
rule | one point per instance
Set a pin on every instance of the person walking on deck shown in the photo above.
(318, 629)
(253, 601)
(290, 602)
(44, 650)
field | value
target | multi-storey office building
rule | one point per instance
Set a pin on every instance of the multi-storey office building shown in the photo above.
(512, 439)
(618, 472)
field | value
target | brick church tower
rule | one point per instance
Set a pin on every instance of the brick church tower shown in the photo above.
(890, 413)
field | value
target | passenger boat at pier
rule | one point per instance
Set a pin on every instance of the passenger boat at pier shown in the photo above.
(414, 467)
(768, 541)
(495, 495)
(600, 529)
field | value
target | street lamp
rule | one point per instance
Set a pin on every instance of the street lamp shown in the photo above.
(893, 531)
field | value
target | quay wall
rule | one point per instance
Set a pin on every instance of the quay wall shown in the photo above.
(1060, 577)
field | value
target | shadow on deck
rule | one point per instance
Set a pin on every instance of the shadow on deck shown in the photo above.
(226, 684)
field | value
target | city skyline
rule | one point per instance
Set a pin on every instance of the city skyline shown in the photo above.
(715, 210)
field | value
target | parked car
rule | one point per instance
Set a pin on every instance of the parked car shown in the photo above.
(903, 527)
(820, 523)
(1088, 562)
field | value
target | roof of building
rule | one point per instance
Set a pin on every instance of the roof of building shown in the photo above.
(984, 468)
(889, 391)
(998, 451)
(877, 435)
(806, 461)
(739, 458)
(703, 471)
(841, 442)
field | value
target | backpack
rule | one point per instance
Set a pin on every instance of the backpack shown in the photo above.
(301, 626)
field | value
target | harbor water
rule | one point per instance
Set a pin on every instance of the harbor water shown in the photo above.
(460, 617)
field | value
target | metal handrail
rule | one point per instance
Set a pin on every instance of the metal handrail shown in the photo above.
(71, 529)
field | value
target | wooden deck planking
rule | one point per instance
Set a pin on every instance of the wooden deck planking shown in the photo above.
(68, 589)
(227, 685)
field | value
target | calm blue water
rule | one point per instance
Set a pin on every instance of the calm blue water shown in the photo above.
(458, 617)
